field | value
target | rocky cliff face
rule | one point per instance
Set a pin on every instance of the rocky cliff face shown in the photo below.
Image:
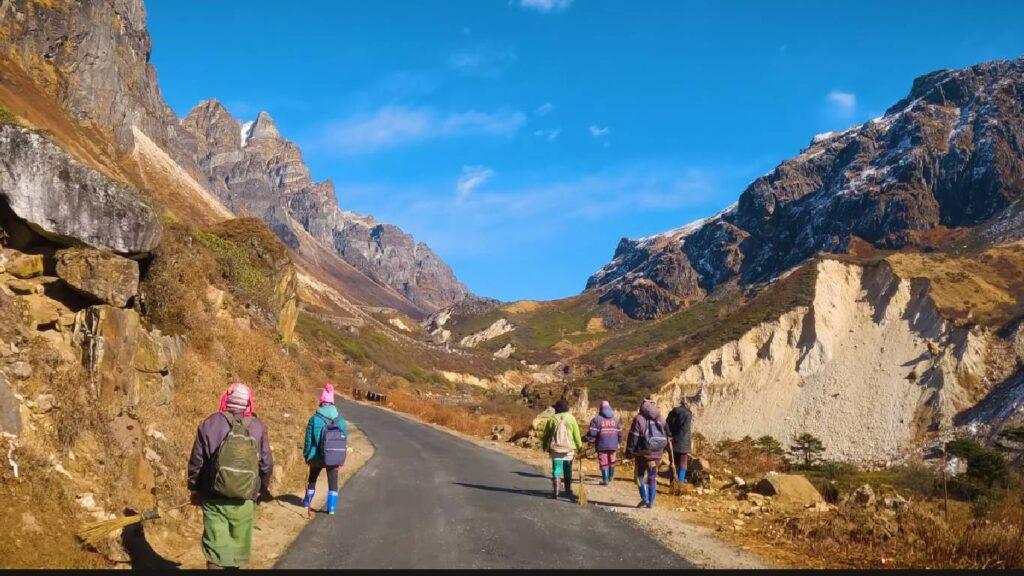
(949, 155)
(93, 59)
(256, 171)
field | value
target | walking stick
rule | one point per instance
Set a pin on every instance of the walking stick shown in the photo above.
(583, 490)
(673, 483)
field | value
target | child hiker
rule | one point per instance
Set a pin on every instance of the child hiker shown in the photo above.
(606, 434)
(228, 471)
(325, 449)
(561, 439)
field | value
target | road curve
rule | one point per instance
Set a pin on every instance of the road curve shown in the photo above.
(428, 499)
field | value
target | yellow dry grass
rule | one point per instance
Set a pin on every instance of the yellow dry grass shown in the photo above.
(985, 288)
(523, 307)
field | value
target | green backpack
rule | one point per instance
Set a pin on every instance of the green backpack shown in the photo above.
(236, 463)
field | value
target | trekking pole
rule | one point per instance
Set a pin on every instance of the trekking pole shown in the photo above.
(945, 490)
(673, 483)
(583, 491)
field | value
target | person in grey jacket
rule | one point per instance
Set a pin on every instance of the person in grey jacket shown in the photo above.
(680, 426)
(227, 523)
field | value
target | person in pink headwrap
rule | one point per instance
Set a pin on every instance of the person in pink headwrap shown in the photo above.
(228, 505)
(326, 442)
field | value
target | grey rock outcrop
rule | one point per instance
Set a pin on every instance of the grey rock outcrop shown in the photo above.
(949, 155)
(94, 57)
(257, 172)
(10, 414)
(69, 203)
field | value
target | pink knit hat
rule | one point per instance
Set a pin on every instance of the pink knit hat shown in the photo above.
(327, 394)
(238, 398)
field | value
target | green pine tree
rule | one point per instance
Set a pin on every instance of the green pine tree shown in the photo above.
(807, 448)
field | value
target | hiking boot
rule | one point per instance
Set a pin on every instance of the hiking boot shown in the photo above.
(650, 505)
(642, 504)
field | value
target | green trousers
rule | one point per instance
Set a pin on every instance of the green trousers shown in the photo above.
(227, 531)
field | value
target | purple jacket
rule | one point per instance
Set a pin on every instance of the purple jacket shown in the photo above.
(209, 435)
(605, 431)
(648, 411)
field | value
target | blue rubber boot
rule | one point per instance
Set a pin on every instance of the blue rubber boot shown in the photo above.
(652, 490)
(309, 498)
(604, 476)
(611, 474)
(643, 494)
(682, 476)
(332, 501)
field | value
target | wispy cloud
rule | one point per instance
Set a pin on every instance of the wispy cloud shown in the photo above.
(482, 62)
(549, 135)
(842, 104)
(544, 109)
(482, 219)
(471, 178)
(546, 6)
(598, 132)
(394, 126)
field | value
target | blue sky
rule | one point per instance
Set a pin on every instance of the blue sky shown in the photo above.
(521, 139)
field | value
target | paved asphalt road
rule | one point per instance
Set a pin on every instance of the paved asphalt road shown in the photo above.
(428, 499)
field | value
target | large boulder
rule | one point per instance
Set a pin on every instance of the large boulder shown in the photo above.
(23, 265)
(106, 277)
(68, 202)
(788, 489)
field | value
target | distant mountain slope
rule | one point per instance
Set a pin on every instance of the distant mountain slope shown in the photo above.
(950, 155)
(254, 170)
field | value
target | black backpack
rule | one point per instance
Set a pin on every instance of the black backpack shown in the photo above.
(333, 447)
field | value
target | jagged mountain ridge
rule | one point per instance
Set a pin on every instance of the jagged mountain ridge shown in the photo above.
(950, 155)
(93, 60)
(254, 170)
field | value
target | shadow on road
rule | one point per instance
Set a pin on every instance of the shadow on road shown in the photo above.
(521, 491)
(531, 475)
(289, 499)
(142, 555)
(610, 504)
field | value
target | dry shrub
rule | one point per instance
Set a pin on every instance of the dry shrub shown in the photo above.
(917, 536)
(172, 291)
(453, 417)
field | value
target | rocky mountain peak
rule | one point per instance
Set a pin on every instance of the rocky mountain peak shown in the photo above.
(949, 155)
(264, 128)
(256, 171)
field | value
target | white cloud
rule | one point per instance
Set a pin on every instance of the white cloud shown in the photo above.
(393, 126)
(486, 218)
(598, 132)
(482, 62)
(549, 135)
(544, 109)
(546, 6)
(843, 104)
(472, 177)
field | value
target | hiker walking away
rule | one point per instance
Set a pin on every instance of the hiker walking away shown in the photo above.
(605, 433)
(326, 448)
(229, 470)
(646, 445)
(680, 423)
(561, 439)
